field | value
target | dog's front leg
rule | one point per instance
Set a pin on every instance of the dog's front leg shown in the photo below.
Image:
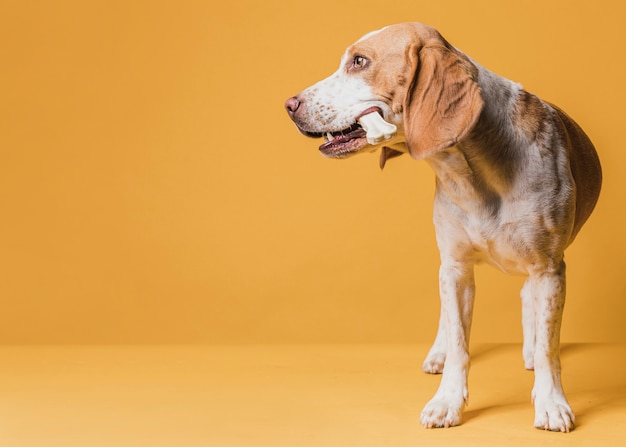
(456, 288)
(552, 411)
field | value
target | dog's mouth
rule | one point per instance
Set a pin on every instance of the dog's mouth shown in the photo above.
(344, 142)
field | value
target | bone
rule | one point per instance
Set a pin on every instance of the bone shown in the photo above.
(378, 130)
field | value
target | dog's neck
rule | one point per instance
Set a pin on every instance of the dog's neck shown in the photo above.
(482, 167)
(486, 159)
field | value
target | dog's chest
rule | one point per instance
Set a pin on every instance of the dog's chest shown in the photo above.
(502, 238)
(473, 222)
(506, 245)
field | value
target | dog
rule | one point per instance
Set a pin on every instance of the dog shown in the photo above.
(516, 178)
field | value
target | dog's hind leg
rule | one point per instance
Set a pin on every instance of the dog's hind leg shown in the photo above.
(528, 326)
(433, 364)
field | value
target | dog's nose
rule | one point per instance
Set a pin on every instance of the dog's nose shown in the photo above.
(292, 105)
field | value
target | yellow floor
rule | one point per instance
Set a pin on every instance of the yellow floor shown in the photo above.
(295, 396)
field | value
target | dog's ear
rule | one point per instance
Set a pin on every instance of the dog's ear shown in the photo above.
(385, 154)
(443, 101)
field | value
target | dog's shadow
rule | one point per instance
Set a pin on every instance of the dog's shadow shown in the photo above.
(594, 378)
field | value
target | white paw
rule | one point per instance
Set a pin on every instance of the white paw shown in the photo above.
(434, 363)
(554, 414)
(529, 361)
(441, 412)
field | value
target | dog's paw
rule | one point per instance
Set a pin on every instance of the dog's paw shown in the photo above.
(529, 361)
(441, 412)
(554, 415)
(528, 353)
(434, 363)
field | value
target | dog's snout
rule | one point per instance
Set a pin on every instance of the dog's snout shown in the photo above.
(292, 105)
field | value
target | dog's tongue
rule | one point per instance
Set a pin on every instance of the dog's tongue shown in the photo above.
(377, 128)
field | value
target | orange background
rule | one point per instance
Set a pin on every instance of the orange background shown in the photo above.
(153, 189)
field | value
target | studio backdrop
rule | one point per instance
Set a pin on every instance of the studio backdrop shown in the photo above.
(153, 189)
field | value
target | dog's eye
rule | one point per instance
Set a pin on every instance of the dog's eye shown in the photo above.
(359, 62)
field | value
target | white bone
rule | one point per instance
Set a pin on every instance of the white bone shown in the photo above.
(377, 128)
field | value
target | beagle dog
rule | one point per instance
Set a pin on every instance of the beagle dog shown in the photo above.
(516, 178)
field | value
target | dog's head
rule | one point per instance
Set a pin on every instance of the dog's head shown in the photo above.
(407, 73)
